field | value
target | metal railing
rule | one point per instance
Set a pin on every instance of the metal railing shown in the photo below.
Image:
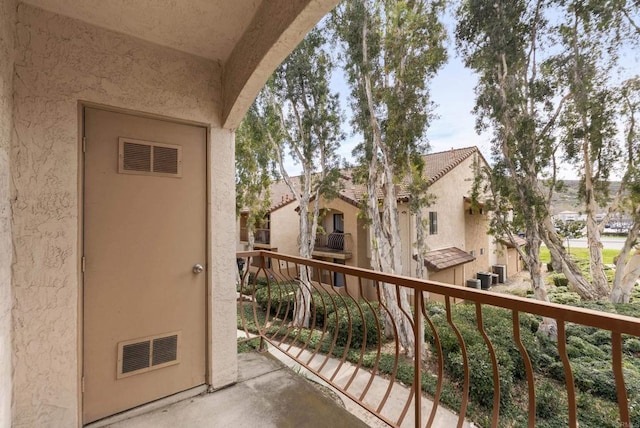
(351, 342)
(334, 241)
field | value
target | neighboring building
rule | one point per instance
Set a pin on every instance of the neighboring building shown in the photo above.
(117, 264)
(569, 216)
(459, 245)
(509, 256)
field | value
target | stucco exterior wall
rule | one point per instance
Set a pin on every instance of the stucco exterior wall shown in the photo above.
(453, 229)
(7, 27)
(59, 62)
(454, 275)
(478, 241)
(285, 228)
(450, 191)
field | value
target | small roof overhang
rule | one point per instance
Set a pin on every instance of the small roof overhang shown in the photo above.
(519, 241)
(445, 258)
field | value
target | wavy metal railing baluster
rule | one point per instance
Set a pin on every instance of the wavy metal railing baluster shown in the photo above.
(465, 363)
(515, 317)
(347, 346)
(376, 363)
(284, 329)
(418, 337)
(394, 372)
(363, 345)
(436, 396)
(621, 389)
(323, 334)
(277, 331)
(494, 364)
(400, 291)
(336, 331)
(412, 391)
(568, 374)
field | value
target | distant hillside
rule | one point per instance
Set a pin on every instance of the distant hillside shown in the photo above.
(568, 200)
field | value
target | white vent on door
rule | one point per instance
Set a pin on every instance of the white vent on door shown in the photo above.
(149, 158)
(148, 353)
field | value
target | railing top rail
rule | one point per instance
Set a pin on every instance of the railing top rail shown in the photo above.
(603, 320)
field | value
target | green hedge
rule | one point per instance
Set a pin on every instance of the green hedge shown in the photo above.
(498, 325)
(278, 298)
(366, 324)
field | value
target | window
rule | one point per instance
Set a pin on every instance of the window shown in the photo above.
(481, 251)
(338, 223)
(433, 222)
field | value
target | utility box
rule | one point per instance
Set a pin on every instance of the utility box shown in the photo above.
(473, 283)
(485, 279)
(501, 270)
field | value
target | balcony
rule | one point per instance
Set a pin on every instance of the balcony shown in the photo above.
(333, 245)
(348, 340)
(261, 236)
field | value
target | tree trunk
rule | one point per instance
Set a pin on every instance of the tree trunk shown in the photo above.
(302, 312)
(421, 246)
(630, 276)
(598, 278)
(571, 271)
(621, 289)
(386, 248)
(251, 240)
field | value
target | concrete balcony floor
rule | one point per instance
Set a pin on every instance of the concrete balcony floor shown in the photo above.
(267, 394)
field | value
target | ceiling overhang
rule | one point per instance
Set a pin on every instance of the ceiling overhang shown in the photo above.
(248, 38)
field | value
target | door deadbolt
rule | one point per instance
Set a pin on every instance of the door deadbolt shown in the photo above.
(198, 268)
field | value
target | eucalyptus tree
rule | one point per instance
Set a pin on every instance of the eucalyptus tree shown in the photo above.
(301, 118)
(503, 41)
(628, 269)
(392, 48)
(590, 42)
(254, 173)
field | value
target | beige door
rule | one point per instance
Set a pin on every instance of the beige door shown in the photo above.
(144, 232)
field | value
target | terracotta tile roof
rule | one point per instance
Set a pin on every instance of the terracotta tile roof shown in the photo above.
(444, 258)
(280, 193)
(436, 166)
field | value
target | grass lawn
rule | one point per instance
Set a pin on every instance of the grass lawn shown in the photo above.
(580, 254)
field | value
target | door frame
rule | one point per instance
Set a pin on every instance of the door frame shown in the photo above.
(80, 247)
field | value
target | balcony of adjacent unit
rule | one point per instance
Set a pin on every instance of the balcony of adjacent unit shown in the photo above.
(332, 243)
(261, 233)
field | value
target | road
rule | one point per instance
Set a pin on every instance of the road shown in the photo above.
(613, 243)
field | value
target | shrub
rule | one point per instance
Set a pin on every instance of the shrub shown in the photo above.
(559, 280)
(561, 294)
(632, 345)
(577, 347)
(548, 403)
(278, 298)
(361, 323)
(481, 388)
(323, 305)
(253, 285)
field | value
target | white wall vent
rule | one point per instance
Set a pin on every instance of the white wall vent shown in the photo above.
(149, 158)
(148, 353)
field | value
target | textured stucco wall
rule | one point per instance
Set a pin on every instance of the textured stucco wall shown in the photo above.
(7, 26)
(285, 228)
(60, 61)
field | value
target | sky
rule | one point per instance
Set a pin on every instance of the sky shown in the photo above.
(452, 91)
